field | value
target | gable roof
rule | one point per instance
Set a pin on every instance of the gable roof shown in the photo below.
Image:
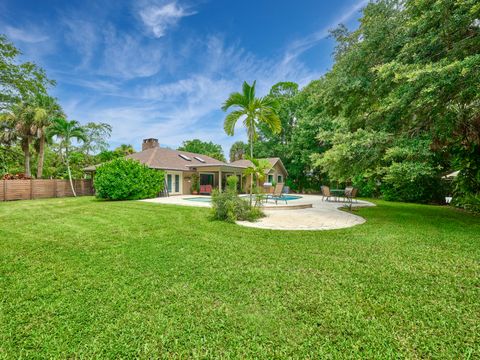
(244, 163)
(168, 159)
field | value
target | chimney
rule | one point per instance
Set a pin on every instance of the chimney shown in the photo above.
(149, 144)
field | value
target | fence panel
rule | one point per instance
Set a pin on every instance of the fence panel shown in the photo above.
(18, 190)
(42, 189)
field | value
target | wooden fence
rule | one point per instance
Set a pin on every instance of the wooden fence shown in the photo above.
(42, 189)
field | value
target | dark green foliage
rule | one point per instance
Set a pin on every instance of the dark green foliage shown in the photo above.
(238, 150)
(467, 184)
(127, 179)
(398, 110)
(203, 147)
(228, 206)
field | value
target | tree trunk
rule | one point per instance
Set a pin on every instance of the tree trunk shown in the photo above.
(69, 173)
(41, 156)
(251, 175)
(26, 152)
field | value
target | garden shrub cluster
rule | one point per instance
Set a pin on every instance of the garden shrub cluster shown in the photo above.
(228, 206)
(127, 179)
(232, 183)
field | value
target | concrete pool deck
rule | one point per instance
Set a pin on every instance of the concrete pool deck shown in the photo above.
(322, 215)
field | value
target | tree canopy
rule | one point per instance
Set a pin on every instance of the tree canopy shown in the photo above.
(19, 81)
(203, 147)
(399, 109)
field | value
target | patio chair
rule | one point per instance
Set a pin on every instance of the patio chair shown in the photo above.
(326, 195)
(277, 194)
(353, 195)
(205, 189)
(348, 193)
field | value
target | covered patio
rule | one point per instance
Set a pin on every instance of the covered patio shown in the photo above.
(215, 176)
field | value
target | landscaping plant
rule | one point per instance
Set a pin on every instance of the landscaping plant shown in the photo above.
(232, 183)
(127, 179)
(195, 188)
(228, 206)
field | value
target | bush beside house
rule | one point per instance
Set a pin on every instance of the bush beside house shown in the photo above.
(127, 179)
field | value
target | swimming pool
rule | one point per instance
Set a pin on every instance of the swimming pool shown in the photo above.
(200, 199)
(286, 197)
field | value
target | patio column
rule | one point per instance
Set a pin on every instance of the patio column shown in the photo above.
(220, 179)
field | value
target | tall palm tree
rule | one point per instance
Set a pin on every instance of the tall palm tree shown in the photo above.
(19, 124)
(45, 109)
(254, 111)
(66, 131)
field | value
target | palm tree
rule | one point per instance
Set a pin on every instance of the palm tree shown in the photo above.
(258, 169)
(19, 123)
(66, 131)
(125, 149)
(45, 109)
(254, 111)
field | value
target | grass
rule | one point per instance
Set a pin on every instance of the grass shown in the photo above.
(85, 278)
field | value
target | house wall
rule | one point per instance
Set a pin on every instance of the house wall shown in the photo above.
(275, 171)
(187, 182)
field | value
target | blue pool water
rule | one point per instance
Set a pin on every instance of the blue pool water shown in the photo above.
(209, 199)
(200, 199)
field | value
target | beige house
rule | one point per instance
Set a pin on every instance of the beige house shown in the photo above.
(276, 174)
(179, 166)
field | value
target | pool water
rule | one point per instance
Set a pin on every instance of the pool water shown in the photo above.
(209, 199)
(200, 199)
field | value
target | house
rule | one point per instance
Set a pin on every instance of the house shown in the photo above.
(277, 172)
(179, 166)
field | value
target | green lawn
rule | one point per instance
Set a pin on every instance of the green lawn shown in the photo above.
(85, 278)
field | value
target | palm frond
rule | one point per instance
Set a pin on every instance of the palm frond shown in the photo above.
(235, 99)
(249, 91)
(231, 120)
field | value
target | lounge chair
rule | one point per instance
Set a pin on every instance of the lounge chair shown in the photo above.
(326, 195)
(277, 194)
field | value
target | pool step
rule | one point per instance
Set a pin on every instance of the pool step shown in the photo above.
(287, 207)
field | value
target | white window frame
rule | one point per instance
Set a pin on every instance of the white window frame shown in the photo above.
(180, 182)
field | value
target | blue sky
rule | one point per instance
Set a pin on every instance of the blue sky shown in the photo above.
(162, 68)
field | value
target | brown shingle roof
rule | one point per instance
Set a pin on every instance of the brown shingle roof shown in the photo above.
(168, 159)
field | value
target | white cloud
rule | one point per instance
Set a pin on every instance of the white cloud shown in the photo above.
(31, 35)
(83, 35)
(158, 18)
(189, 107)
(128, 56)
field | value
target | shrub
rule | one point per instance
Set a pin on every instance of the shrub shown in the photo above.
(232, 183)
(195, 183)
(127, 179)
(228, 206)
